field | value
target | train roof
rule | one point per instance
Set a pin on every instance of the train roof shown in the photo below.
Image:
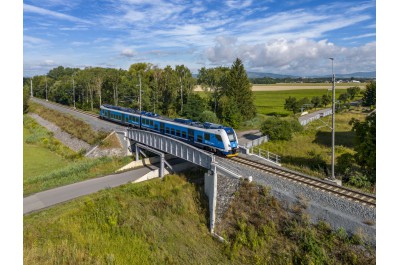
(205, 125)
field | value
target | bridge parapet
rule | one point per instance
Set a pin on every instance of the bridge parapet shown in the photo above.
(172, 146)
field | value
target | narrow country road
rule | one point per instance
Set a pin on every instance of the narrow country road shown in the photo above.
(51, 197)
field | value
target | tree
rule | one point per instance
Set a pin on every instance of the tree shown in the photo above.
(194, 107)
(213, 79)
(185, 83)
(369, 98)
(208, 116)
(291, 104)
(26, 96)
(228, 113)
(344, 97)
(238, 89)
(353, 92)
(326, 99)
(366, 144)
(316, 102)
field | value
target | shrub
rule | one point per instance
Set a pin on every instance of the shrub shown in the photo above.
(277, 129)
(208, 116)
(360, 181)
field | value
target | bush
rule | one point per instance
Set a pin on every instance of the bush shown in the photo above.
(278, 129)
(345, 165)
(360, 181)
(208, 116)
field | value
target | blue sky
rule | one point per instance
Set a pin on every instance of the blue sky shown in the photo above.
(285, 37)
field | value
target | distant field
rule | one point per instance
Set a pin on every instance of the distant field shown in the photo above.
(296, 86)
(271, 102)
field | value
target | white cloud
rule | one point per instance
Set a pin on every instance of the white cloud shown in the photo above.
(238, 4)
(128, 53)
(46, 12)
(300, 56)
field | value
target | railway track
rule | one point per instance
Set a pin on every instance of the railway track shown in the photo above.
(322, 185)
(70, 108)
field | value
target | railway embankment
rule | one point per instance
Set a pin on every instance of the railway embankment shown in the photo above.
(320, 206)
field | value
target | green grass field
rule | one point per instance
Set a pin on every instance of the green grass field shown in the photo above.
(272, 102)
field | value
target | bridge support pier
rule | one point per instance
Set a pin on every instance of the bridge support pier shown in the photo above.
(210, 186)
(161, 154)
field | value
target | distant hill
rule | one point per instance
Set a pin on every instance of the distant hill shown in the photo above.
(272, 75)
(358, 75)
(355, 75)
(260, 75)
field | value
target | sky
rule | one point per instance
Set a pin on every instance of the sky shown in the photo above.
(284, 37)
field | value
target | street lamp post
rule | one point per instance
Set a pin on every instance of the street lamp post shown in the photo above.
(333, 123)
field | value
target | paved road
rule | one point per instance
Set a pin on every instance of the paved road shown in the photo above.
(51, 197)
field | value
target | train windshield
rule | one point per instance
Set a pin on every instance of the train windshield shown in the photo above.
(231, 137)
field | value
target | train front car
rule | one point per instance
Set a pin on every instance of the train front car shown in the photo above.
(230, 140)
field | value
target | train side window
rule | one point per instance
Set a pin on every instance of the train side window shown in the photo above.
(207, 136)
(184, 134)
(156, 126)
(172, 131)
(151, 123)
(199, 138)
(218, 137)
(178, 133)
(167, 130)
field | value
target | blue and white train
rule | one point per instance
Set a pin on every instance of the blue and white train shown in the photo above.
(209, 136)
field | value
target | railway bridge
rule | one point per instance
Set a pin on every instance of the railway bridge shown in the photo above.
(160, 145)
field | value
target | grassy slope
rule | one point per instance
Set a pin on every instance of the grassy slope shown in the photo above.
(164, 222)
(68, 123)
(156, 222)
(311, 148)
(261, 231)
(45, 169)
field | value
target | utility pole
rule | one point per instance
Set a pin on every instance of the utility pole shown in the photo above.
(45, 78)
(140, 93)
(31, 89)
(73, 88)
(333, 123)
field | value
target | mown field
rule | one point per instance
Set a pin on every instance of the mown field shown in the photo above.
(165, 221)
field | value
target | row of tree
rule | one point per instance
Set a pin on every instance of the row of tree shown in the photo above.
(168, 91)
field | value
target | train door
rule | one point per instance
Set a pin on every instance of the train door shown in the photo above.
(191, 135)
(162, 125)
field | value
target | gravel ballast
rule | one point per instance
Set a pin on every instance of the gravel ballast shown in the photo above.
(68, 140)
(336, 211)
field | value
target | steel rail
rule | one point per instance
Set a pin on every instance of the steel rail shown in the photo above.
(70, 108)
(323, 185)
